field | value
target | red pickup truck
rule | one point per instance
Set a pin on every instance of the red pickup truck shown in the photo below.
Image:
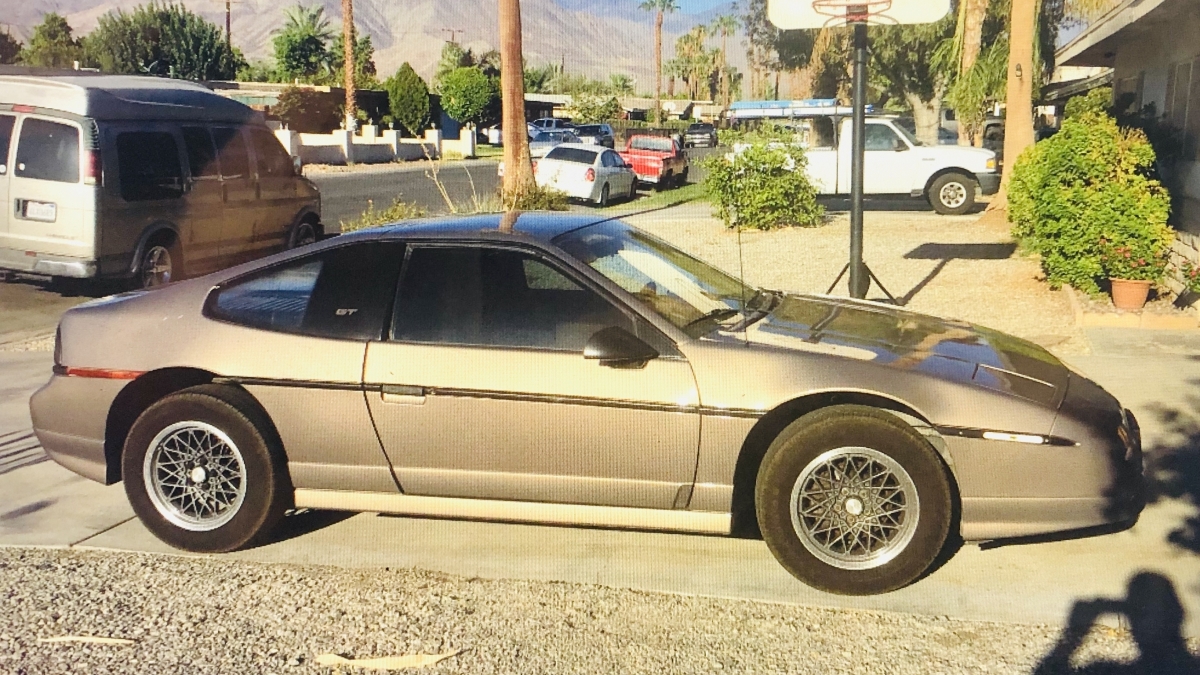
(657, 160)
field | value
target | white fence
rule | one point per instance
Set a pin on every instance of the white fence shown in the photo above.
(371, 147)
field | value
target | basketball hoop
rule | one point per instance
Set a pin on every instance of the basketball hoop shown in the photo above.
(853, 11)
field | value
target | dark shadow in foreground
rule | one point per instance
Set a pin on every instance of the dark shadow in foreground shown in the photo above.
(303, 521)
(1155, 618)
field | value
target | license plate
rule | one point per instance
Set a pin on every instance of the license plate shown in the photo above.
(43, 211)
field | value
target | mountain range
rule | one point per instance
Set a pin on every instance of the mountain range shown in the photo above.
(590, 37)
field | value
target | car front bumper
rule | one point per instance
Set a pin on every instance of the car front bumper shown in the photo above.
(989, 183)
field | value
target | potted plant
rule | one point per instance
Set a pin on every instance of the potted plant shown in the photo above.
(1133, 263)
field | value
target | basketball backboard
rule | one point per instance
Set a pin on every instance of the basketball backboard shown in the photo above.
(796, 14)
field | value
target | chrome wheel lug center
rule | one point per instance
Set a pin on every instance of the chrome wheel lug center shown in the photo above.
(854, 506)
(198, 475)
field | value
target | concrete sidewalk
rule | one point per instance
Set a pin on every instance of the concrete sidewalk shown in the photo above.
(1156, 374)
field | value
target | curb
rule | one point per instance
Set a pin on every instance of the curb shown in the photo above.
(1120, 319)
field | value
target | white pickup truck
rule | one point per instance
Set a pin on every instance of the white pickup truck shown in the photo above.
(896, 163)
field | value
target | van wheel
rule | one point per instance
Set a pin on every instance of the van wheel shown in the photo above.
(952, 194)
(302, 235)
(161, 263)
(852, 500)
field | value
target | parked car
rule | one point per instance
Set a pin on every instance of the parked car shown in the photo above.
(658, 160)
(571, 369)
(540, 144)
(596, 134)
(947, 176)
(143, 179)
(549, 124)
(586, 172)
(700, 135)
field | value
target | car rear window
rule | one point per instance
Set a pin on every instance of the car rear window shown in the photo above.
(149, 166)
(576, 155)
(6, 128)
(48, 151)
(652, 143)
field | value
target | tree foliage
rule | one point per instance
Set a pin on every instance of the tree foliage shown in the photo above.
(162, 39)
(914, 66)
(408, 97)
(302, 46)
(10, 48)
(470, 96)
(588, 109)
(1084, 197)
(308, 111)
(455, 56)
(52, 44)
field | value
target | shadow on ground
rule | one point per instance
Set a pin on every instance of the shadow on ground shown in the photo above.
(1151, 608)
(945, 253)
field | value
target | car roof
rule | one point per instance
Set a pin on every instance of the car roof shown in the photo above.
(538, 225)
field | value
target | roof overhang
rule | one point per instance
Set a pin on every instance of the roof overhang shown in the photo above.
(1130, 19)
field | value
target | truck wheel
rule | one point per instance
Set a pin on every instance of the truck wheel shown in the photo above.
(952, 194)
(852, 500)
(666, 181)
(683, 178)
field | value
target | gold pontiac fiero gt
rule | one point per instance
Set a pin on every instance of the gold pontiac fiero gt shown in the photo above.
(573, 370)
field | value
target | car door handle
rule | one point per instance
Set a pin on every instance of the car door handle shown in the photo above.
(402, 394)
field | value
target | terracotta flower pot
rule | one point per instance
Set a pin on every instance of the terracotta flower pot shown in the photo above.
(1130, 293)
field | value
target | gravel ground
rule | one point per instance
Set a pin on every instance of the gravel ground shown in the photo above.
(201, 615)
(963, 267)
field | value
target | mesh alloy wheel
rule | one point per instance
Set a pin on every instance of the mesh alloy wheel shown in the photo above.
(195, 475)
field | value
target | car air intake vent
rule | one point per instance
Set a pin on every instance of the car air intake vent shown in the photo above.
(1015, 383)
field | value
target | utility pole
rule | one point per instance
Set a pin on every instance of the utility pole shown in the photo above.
(228, 24)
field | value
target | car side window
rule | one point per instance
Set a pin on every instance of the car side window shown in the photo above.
(202, 157)
(880, 137)
(231, 150)
(48, 151)
(498, 298)
(273, 160)
(609, 159)
(7, 122)
(148, 162)
(342, 293)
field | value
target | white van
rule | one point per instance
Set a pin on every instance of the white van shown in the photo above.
(141, 178)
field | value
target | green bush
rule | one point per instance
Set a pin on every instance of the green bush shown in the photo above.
(763, 187)
(1098, 101)
(308, 111)
(399, 210)
(408, 98)
(1081, 195)
(537, 199)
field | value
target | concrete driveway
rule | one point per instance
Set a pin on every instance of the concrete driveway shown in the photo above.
(1156, 374)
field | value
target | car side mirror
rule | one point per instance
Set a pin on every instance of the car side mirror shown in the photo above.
(618, 348)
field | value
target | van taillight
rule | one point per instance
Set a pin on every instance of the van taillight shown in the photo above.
(93, 170)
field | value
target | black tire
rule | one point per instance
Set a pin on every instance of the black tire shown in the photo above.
(667, 181)
(812, 447)
(303, 234)
(632, 189)
(160, 263)
(264, 486)
(953, 194)
(603, 200)
(683, 178)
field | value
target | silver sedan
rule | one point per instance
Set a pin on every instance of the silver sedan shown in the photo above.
(574, 370)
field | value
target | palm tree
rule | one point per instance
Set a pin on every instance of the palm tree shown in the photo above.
(620, 84)
(518, 170)
(725, 25)
(660, 8)
(308, 20)
(349, 63)
(971, 14)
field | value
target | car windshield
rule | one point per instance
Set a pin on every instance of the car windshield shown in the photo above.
(676, 286)
(700, 127)
(652, 143)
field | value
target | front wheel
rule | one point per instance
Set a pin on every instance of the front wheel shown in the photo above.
(853, 501)
(203, 472)
(952, 194)
(666, 181)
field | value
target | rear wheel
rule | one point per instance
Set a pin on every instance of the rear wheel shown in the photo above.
(952, 194)
(303, 234)
(852, 500)
(633, 189)
(603, 200)
(160, 264)
(203, 472)
(666, 181)
(683, 178)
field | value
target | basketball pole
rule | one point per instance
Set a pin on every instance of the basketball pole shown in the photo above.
(860, 281)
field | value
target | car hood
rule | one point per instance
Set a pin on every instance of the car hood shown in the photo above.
(894, 338)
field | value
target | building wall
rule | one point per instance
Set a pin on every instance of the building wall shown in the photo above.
(1161, 66)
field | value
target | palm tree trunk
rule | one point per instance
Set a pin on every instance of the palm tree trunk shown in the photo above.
(518, 171)
(1018, 117)
(658, 23)
(975, 11)
(724, 69)
(348, 56)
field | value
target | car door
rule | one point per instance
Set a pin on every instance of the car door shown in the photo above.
(278, 203)
(619, 178)
(483, 390)
(52, 207)
(204, 202)
(887, 164)
(240, 190)
(7, 125)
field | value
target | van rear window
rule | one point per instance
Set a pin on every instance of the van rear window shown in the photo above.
(48, 151)
(149, 165)
(6, 129)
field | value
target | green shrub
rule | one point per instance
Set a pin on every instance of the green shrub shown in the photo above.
(399, 210)
(763, 187)
(408, 100)
(537, 199)
(308, 111)
(1082, 194)
(1098, 101)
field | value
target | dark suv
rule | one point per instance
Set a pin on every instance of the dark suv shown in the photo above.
(700, 135)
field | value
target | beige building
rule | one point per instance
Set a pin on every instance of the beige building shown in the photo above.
(1153, 47)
